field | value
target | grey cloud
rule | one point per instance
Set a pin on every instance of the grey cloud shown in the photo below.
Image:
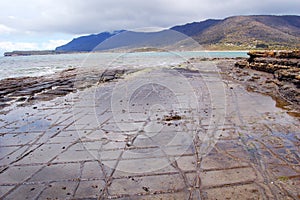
(88, 16)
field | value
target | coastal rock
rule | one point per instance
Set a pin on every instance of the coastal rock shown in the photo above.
(284, 66)
(242, 64)
(267, 67)
(274, 54)
(290, 92)
(291, 75)
(27, 90)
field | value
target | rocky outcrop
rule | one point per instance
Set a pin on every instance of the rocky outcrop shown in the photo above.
(284, 66)
(274, 54)
(26, 90)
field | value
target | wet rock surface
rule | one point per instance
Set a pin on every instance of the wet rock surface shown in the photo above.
(135, 138)
(27, 90)
(281, 78)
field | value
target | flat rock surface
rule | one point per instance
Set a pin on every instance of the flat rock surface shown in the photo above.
(161, 133)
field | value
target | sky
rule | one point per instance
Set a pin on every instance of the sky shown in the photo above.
(46, 24)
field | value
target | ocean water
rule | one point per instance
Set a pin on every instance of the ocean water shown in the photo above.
(20, 66)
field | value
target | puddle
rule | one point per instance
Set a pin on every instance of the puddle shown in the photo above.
(283, 104)
(279, 102)
(294, 114)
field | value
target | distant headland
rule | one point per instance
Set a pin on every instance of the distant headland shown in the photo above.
(29, 53)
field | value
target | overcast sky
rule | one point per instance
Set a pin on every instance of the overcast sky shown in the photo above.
(45, 24)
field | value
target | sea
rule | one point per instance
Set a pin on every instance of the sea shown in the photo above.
(41, 65)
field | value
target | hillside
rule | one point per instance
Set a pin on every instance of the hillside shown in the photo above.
(238, 32)
(195, 28)
(250, 32)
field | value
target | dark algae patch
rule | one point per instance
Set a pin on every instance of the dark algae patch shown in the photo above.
(172, 118)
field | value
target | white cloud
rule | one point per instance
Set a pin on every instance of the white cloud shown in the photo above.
(5, 29)
(52, 44)
(92, 16)
(10, 46)
(49, 45)
(42, 24)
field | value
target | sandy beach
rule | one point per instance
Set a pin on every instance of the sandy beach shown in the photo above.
(198, 130)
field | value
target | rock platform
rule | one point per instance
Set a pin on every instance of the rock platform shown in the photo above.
(189, 132)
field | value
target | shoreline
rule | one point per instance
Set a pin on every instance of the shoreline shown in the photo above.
(24, 91)
(52, 52)
(38, 65)
(29, 90)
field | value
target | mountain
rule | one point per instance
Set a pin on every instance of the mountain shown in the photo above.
(247, 32)
(129, 40)
(86, 43)
(195, 28)
(237, 32)
(141, 41)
